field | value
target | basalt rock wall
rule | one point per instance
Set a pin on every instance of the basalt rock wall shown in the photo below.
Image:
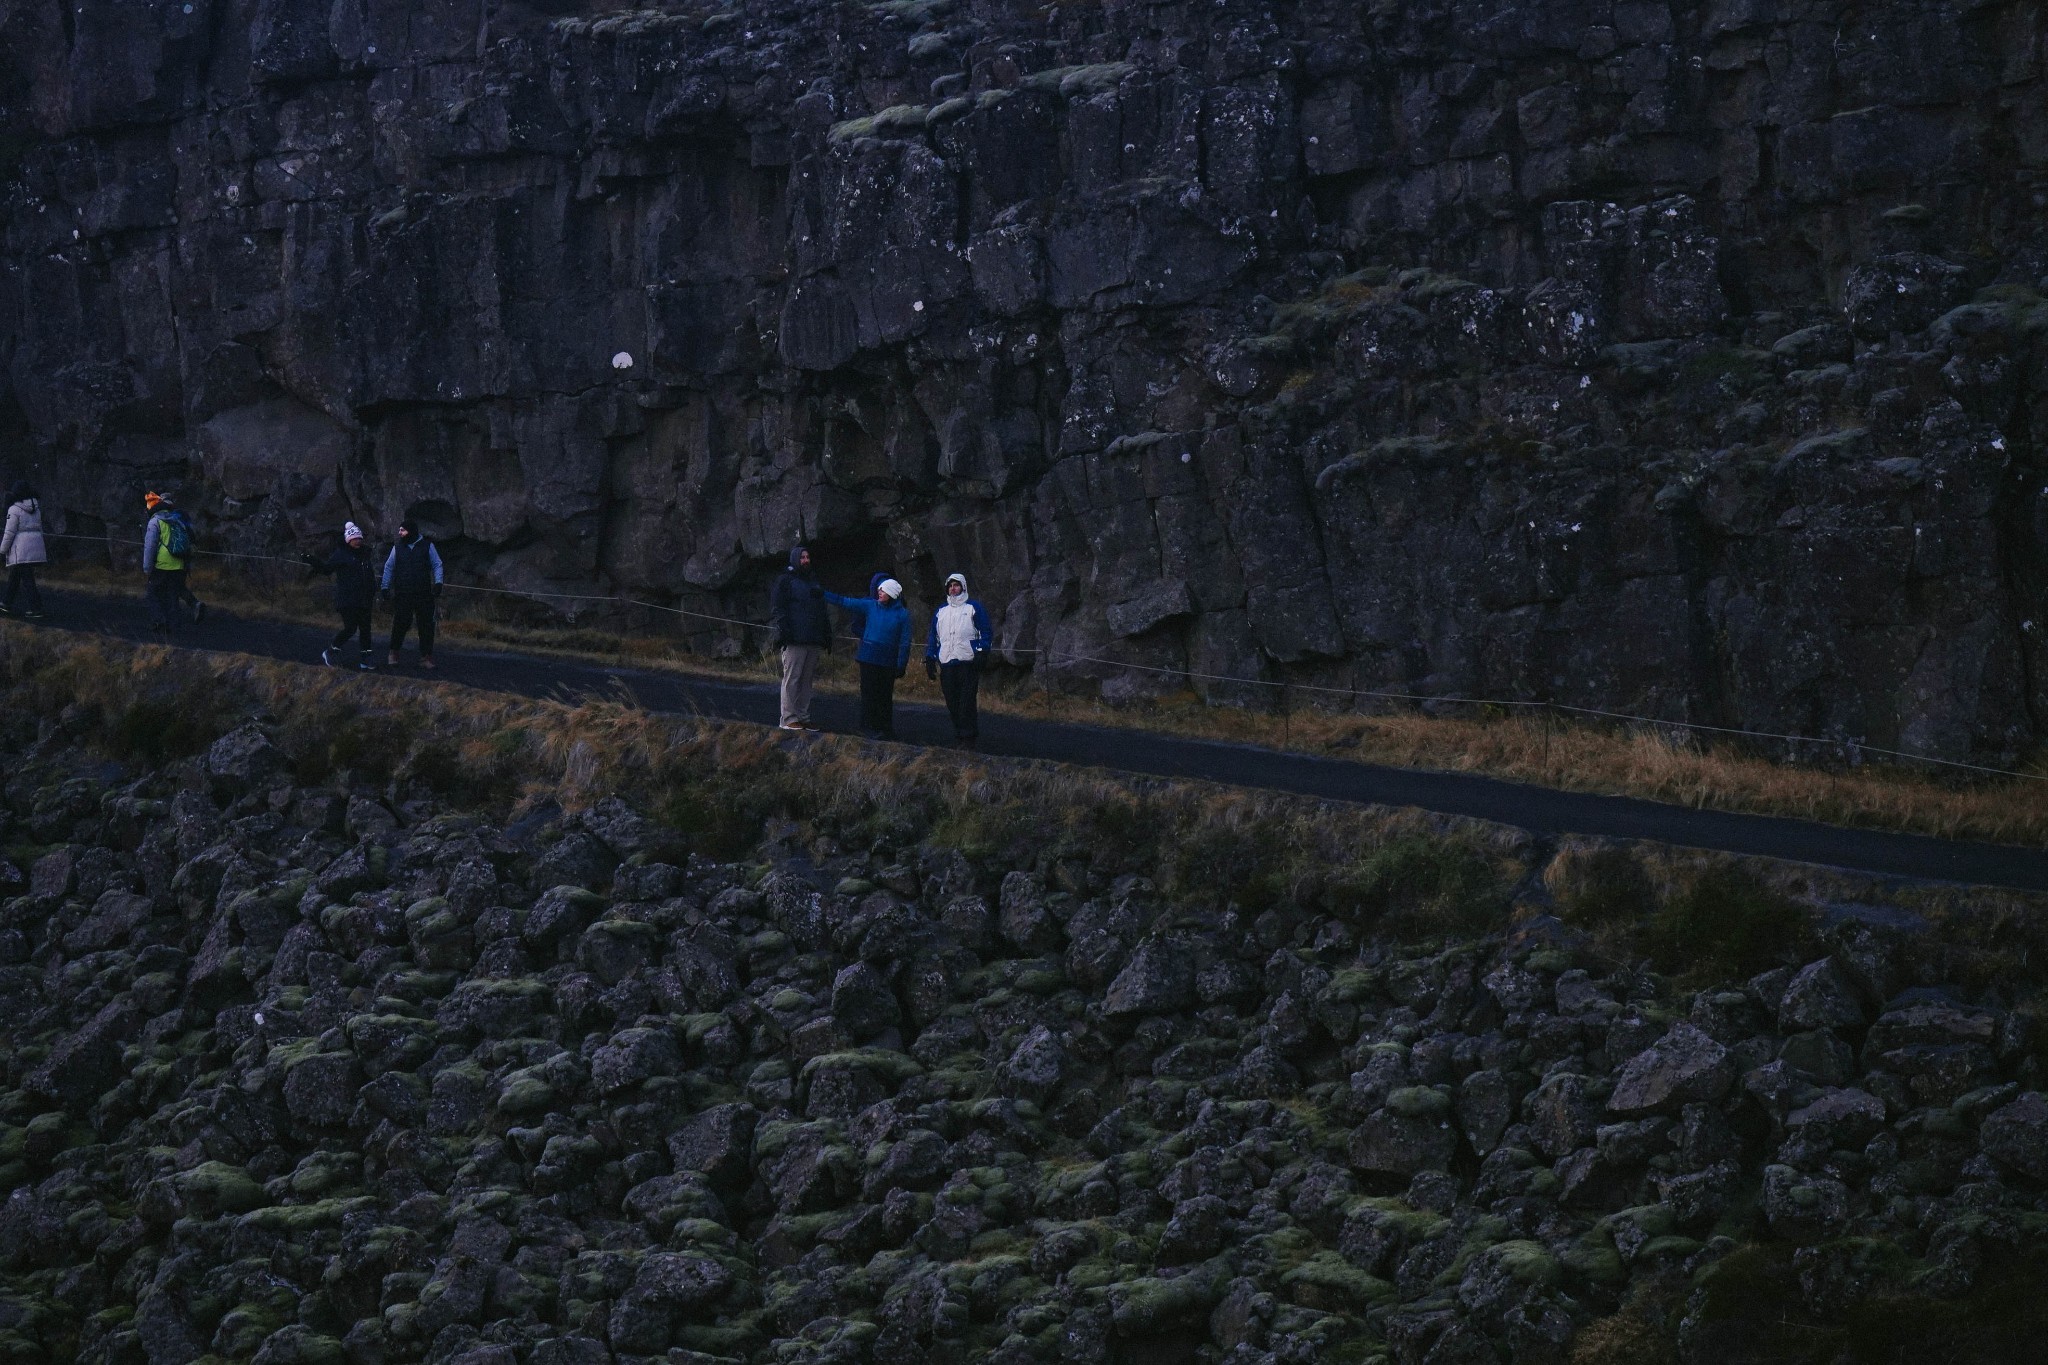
(1677, 358)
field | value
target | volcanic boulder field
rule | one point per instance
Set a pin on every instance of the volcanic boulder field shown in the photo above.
(305, 1068)
(1680, 359)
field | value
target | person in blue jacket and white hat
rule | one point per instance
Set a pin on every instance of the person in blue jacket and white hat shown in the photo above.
(883, 655)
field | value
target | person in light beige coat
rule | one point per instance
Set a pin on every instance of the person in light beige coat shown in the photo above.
(23, 547)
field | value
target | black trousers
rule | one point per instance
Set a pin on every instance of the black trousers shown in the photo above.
(878, 701)
(961, 683)
(355, 621)
(166, 586)
(21, 578)
(407, 612)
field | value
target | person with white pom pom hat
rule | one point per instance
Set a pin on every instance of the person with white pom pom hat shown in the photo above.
(883, 655)
(355, 593)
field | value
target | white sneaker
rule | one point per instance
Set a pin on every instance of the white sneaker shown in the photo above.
(789, 725)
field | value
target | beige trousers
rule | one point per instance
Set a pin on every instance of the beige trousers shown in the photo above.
(799, 671)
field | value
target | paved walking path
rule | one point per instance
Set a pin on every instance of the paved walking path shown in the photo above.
(1541, 809)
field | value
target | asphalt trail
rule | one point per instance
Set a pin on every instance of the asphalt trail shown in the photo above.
(1540, 809)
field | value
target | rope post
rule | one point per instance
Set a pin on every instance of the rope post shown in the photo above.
(1546, 740)
(1286, 719)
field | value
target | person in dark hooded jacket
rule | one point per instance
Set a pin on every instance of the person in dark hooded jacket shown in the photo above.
(412, 580)
(803, 631)
(355, 591)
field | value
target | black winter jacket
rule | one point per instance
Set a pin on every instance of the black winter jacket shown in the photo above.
(797, 607)
(355, 578)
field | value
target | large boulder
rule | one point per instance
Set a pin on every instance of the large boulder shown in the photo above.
(1843, 1118)
(2016, 1136)
(862, 1001)
(244, 759)
(717, 1143)
(1685, 1066)
(321, 1090)
(1411, 1133)
(1159, 979)
(1900, 293)
(1820, 996)
(634, 1055)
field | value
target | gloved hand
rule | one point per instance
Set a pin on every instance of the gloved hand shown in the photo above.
(384, 594)
(437, 592)
(931, 670)
(309, 561)
(901, 671)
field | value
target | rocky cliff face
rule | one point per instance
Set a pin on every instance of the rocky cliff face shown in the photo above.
(1681, 358)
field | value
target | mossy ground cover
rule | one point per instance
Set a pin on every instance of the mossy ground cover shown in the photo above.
(845, 1053)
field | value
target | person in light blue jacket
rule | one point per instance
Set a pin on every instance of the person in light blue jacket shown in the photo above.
(883, 654)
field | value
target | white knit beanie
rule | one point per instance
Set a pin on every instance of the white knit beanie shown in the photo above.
(890, 588)
(351, 531)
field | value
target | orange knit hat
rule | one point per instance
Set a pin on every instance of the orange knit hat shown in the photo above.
(151, 500)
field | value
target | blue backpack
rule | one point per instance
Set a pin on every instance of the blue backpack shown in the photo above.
(177, 533)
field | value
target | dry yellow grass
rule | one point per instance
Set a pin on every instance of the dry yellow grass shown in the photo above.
(1658, 763)
(719, 782)
(722, 787)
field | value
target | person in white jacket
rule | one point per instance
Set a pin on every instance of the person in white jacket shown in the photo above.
(23, 547)
(960, 636)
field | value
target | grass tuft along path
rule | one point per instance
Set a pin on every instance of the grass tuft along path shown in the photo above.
(1540, 809)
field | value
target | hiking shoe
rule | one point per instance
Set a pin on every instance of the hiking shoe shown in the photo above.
(392, 659)
(427, 663)
(814, 729)
(327, 656)
(367, 661)
(198, 612)
(32, 616)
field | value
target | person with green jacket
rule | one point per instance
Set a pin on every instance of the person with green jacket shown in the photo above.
(166, 553)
